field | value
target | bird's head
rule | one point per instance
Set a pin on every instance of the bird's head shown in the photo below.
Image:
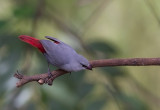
(84, 63)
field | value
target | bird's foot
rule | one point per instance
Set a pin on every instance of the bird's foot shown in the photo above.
(18, 75)
(49, 79)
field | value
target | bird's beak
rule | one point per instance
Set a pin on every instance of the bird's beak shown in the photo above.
(89, 67)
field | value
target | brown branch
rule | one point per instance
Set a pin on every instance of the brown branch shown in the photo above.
(40, 78)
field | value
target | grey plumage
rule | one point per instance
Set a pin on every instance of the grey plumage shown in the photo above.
(63, 56)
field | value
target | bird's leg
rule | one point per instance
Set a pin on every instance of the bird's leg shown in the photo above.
(49, 71)
(48, 80)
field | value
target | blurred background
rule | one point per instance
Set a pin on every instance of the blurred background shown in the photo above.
(97, 29)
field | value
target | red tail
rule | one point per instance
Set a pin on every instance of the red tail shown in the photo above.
(32, 41)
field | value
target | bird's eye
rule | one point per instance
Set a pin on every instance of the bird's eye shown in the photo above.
(84, 66)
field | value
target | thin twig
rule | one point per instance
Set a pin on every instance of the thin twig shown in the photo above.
(40, 78)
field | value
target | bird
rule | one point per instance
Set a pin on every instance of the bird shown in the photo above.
(58, 54)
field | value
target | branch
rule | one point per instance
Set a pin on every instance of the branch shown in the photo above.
(40, 78)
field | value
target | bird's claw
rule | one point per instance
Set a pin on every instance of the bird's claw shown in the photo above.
(18, 75)
(49, 79)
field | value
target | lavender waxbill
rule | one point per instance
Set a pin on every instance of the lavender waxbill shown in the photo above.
(58, 54)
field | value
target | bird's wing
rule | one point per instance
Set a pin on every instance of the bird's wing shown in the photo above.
(58, 54)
